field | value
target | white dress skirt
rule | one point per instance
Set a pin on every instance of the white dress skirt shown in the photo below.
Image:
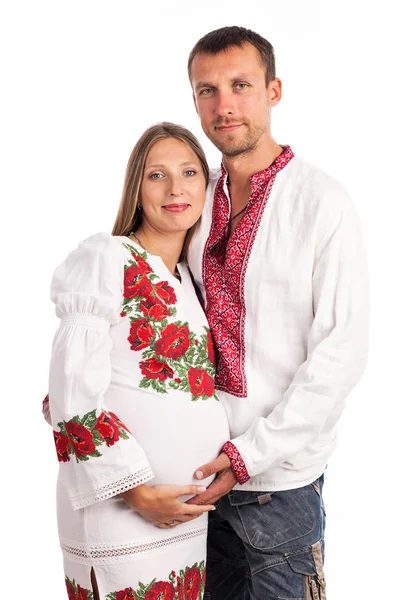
(132, 401)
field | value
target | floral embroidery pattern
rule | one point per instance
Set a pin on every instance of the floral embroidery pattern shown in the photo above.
(188, 585)
(81, 436)
(76, 592)
(172, 355)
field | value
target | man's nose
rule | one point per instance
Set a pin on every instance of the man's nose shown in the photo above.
(225, 103)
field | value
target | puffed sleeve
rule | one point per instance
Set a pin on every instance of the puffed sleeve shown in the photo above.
(99, 458)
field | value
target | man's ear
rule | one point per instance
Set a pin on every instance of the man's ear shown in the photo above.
(195, 103)
(274, 91)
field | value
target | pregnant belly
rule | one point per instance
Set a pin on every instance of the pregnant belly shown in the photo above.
(177, 434)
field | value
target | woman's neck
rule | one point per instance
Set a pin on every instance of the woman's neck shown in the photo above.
(168, 246)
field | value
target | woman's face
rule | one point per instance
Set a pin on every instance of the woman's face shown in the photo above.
(173, 187)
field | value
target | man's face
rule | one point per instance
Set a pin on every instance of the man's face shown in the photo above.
(232, 99)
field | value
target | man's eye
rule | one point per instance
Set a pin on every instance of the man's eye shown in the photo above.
(242, 86)
(190, 172)
(206, 92)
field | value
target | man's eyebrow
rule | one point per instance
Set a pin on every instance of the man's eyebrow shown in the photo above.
(202, 84)
(238, 77)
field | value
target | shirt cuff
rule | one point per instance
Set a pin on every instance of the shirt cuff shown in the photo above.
(237, 462)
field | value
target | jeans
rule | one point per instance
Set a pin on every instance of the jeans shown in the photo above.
(267, 545)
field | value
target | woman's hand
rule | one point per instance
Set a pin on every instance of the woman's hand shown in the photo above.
(161, 505)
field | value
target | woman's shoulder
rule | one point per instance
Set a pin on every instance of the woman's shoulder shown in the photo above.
(96, 263)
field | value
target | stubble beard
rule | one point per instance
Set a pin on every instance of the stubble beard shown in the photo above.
(232, 148)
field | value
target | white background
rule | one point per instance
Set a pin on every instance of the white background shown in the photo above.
(80, 82)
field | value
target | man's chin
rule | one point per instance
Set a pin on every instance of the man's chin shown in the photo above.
(230, 146)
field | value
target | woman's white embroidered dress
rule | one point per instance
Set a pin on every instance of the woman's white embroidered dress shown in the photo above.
(132, 401)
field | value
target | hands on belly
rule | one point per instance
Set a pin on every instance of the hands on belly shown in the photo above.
(222, 484)
(161, 506)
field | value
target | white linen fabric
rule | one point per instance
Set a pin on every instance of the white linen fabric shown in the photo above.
(305, 323)
(131, 401)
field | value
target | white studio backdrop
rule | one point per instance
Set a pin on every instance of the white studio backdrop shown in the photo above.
(81, 81)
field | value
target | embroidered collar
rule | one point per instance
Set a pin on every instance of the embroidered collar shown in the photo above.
(265, 175)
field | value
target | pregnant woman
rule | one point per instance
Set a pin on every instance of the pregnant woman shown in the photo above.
(131, 392)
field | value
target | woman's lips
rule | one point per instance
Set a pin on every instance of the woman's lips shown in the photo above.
(176, 207)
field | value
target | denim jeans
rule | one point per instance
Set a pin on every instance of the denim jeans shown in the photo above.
(267, 545)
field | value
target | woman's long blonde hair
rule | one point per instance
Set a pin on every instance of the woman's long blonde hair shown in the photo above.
(129, 217)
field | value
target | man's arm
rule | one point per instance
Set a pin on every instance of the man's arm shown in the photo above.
(336, 355)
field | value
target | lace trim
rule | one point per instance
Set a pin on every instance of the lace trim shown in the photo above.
(111, 554)
(80, 500)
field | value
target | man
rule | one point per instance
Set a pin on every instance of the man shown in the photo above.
(279, 259)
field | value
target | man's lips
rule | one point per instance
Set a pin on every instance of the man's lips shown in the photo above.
(228, 128)
(178, 207)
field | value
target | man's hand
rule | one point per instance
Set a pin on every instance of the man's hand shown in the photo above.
(221, 485)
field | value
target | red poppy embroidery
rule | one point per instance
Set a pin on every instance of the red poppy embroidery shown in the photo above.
(192, 583)
(141, 334)
(76, 592)
(136, 283)
(108, 429)
(174, 341)
(118, 422)
(154, 369)
(188, 585)
(200, 382)
(166, 292)
(161, 590)
(237, 462)
(225, 261)
(149, 305)
(126, 594)
(211, 349)
(143, 264)
(62, 447)
(81, 438)
(154, 308)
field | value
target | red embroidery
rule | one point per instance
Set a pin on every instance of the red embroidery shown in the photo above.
(225, 261)
(237, 462)
(188, 585)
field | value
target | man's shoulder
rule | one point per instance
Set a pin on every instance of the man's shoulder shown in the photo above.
(315, 185)
(308, 173)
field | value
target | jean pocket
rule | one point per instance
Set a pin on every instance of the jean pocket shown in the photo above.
(275, 519)
(309, 564)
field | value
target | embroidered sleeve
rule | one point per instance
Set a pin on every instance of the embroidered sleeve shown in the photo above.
(337, 346)
(237, 462)
(98, 455)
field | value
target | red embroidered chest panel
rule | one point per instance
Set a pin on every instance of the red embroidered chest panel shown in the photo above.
(225, 261)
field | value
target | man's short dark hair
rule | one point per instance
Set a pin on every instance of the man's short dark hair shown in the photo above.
(222, 39)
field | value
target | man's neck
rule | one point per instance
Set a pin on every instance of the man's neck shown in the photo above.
(241, 168)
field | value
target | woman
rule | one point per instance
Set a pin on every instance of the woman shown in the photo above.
(131, 388)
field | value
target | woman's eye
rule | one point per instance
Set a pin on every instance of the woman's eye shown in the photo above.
(190, 172)
(155, 176)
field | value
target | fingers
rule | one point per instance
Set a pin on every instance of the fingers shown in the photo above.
(176, 522)
(213, 467)
(190, 490)
(218, 488)
(195, 509)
